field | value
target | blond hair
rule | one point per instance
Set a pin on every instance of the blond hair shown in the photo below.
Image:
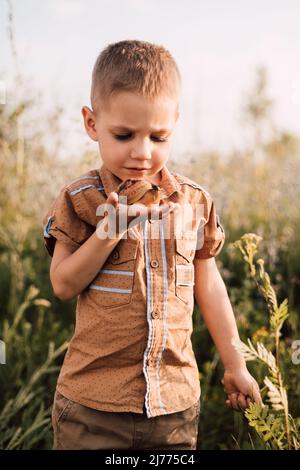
(132, 65)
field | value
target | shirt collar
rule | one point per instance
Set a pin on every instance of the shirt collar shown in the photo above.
(110, 182)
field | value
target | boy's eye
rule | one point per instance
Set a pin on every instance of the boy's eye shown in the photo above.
(127, 136)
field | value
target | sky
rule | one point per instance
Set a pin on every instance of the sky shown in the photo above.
(217, 45)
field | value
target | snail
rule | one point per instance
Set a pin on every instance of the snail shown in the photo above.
(139, 191)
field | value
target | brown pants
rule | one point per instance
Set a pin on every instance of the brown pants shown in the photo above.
(77, 427)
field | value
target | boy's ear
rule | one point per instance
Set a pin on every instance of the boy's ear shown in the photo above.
(89, 122)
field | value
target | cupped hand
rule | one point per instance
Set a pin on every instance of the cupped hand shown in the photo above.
(135, 213)
(241, 389)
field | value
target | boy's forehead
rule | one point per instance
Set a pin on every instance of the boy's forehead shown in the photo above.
(129, 111)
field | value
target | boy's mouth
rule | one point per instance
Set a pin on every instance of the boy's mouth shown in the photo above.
(138, 169)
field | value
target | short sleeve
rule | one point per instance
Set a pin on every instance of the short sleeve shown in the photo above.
(212, 235)
(61, 222)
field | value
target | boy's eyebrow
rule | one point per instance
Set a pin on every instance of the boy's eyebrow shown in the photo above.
(131, 129)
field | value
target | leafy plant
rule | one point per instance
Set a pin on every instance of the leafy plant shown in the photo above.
(273, 423)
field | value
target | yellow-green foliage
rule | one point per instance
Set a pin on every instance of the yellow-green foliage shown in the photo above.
(273, 423)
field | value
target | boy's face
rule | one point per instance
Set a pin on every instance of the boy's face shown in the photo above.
(133, 132)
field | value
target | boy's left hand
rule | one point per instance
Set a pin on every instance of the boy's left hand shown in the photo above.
(241, 389)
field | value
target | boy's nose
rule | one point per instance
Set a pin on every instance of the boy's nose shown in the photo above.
(141, 158)
(141, 153)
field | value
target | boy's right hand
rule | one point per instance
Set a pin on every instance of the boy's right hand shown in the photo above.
(135, 213)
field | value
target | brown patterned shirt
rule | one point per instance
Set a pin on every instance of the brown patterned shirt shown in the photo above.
(132, 341)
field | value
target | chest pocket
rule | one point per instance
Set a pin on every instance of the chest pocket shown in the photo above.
(184, 266)
(113, 286)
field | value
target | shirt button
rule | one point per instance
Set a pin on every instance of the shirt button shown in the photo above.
(150, 362)
(154, 263)
(155, 314)
(116, 255)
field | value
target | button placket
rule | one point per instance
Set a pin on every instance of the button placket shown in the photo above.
(154, 254)
(155, 268)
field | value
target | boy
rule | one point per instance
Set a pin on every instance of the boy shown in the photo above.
(130, 378)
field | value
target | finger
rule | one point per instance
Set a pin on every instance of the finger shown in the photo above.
(255, 394)
(233, 401)
(242, 401)
(113, 198)
(164, 210)
(248, 400)
(168, 210)
(228, 404)
(159, 212)
(155, 213)
(177, 207)
(166, 205)
(136, 213)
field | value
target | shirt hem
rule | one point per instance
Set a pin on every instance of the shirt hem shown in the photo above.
(120, 409)
(100, 407)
